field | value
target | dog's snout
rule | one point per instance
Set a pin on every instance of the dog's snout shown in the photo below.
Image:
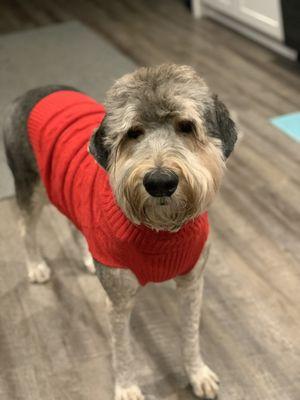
(160, 182)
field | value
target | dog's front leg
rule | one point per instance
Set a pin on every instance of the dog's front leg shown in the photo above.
(121, 287)
(190, 287)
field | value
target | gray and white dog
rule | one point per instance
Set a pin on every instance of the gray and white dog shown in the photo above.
(178, 126)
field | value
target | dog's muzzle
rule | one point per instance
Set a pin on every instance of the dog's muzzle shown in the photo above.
(161, 182)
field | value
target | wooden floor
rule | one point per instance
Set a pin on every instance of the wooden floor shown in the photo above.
(54, 339)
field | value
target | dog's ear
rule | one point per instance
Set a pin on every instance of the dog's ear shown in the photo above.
(220, 125)
(97, 146)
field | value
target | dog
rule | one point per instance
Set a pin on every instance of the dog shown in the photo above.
(158, 152)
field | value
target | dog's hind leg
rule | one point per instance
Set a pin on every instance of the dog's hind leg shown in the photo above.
(204, 381)
(30, 197)
(29, 193)
(22, 162)
(121, 287)
(83, 248)
(38, 271)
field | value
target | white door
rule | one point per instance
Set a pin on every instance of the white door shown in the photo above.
(264, 15)
(227, 6)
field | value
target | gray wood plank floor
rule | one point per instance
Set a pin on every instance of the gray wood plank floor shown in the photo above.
(54, 338)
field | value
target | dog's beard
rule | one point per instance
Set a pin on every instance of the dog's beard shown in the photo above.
(166, 213)
(198, 184)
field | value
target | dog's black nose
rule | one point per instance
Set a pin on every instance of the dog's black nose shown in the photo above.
(160, 182)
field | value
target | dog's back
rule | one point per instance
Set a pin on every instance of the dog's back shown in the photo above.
(20, 157)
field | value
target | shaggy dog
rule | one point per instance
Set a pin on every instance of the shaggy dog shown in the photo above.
(161, 145)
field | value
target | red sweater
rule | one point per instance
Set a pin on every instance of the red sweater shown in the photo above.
(60, 126)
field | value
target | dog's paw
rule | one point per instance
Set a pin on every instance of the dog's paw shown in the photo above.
(89, 263)
(39, 273)
(130, 393)
(205, 383)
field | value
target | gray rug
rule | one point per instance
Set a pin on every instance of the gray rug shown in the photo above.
(67, 53)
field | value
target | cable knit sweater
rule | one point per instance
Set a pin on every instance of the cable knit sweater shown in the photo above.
(60, 126)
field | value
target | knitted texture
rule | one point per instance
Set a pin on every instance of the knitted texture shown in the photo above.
(60, 126)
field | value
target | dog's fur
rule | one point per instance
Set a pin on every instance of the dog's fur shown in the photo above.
(163, 118)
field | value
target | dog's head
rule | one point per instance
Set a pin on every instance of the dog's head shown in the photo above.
(164, 142)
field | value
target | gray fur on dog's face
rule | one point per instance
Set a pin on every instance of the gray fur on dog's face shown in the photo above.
(164, 118)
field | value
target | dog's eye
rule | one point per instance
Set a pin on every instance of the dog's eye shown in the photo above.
(185, 126)
(135, 132)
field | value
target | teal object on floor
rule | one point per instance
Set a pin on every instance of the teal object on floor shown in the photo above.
(288, 124)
